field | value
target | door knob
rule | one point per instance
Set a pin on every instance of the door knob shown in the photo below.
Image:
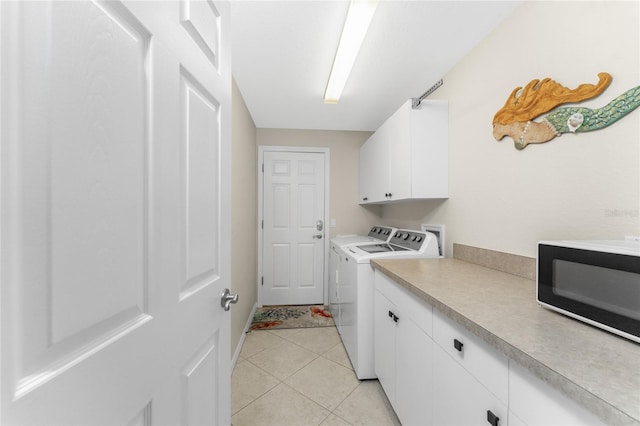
(227, 299)
(319, 236)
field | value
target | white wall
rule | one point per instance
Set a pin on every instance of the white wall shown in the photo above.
(582, 186)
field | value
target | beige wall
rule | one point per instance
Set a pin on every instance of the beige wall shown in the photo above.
(243, 215)
(350, 217)
(582, 186)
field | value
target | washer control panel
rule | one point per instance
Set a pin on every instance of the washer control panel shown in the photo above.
(381, 232)
(409, 239)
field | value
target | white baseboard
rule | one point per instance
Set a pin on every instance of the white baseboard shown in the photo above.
(236, 354)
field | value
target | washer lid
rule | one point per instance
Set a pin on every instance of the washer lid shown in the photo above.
(381, 248)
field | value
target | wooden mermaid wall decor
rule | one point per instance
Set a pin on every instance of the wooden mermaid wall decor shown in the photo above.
(515, 119)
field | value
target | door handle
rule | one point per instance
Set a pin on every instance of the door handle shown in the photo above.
(492, 418)
(227, 299)
(458, 345)
(319, 236)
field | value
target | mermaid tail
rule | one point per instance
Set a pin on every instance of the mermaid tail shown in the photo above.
(564, 120)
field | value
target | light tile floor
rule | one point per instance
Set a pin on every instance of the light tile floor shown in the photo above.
(303, 376)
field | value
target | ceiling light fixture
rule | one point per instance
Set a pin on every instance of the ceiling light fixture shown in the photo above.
(355, 28)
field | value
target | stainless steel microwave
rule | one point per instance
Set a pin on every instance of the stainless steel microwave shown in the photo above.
(597, 282)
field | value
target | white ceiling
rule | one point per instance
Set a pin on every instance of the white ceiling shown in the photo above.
(283, 52)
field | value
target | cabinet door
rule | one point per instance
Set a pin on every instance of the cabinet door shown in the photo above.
(459, 399)
(429, 150)
(365, 173)
(414, 373)
(397, 133)
(385, 344)
(374, 166)
(483, 362)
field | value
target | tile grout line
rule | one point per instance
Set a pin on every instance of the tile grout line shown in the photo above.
(290, 375)
(283, 381)
(307, 397)
(344, 399)
(265, 392)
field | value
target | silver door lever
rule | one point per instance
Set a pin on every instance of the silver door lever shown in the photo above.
(319, 236)
(227, 299)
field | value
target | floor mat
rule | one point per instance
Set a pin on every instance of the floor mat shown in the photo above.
(302, 316)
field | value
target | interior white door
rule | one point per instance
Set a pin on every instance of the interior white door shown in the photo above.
(294, 229)
(114, 212)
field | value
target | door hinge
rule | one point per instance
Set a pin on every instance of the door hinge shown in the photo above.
(262, 226)
(262, 167)
(262, 280)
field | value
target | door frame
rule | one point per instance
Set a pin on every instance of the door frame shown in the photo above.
(327, 179)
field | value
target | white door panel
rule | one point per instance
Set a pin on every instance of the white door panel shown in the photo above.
(114, 230)
(293, 203)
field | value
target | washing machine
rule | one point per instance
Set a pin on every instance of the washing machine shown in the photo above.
(356, 290)
(376, 234)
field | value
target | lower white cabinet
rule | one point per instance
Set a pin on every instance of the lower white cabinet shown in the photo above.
(414, 392)
(471, 378)
(384, 344)
(459, 398)
(403, 352)
(482, 361)
(533, 402)
(436, 372)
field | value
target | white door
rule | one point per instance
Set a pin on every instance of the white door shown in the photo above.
(114, 212)
(293, 229)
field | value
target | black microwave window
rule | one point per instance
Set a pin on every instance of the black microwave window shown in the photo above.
(609, 289)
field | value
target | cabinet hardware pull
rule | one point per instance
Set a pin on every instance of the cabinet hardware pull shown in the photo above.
(492, 418)
(390, 314)
(395, 318)
(365, 198)
(458, 345)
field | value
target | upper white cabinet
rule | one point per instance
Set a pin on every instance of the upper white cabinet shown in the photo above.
(407, 157)
(374, 165)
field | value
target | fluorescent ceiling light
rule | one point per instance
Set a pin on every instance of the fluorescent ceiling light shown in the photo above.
(355, 28)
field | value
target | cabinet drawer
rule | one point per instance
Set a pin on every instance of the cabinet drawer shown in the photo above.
(481, 360)
(528, 393)
(459, 398)
(417, 309)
